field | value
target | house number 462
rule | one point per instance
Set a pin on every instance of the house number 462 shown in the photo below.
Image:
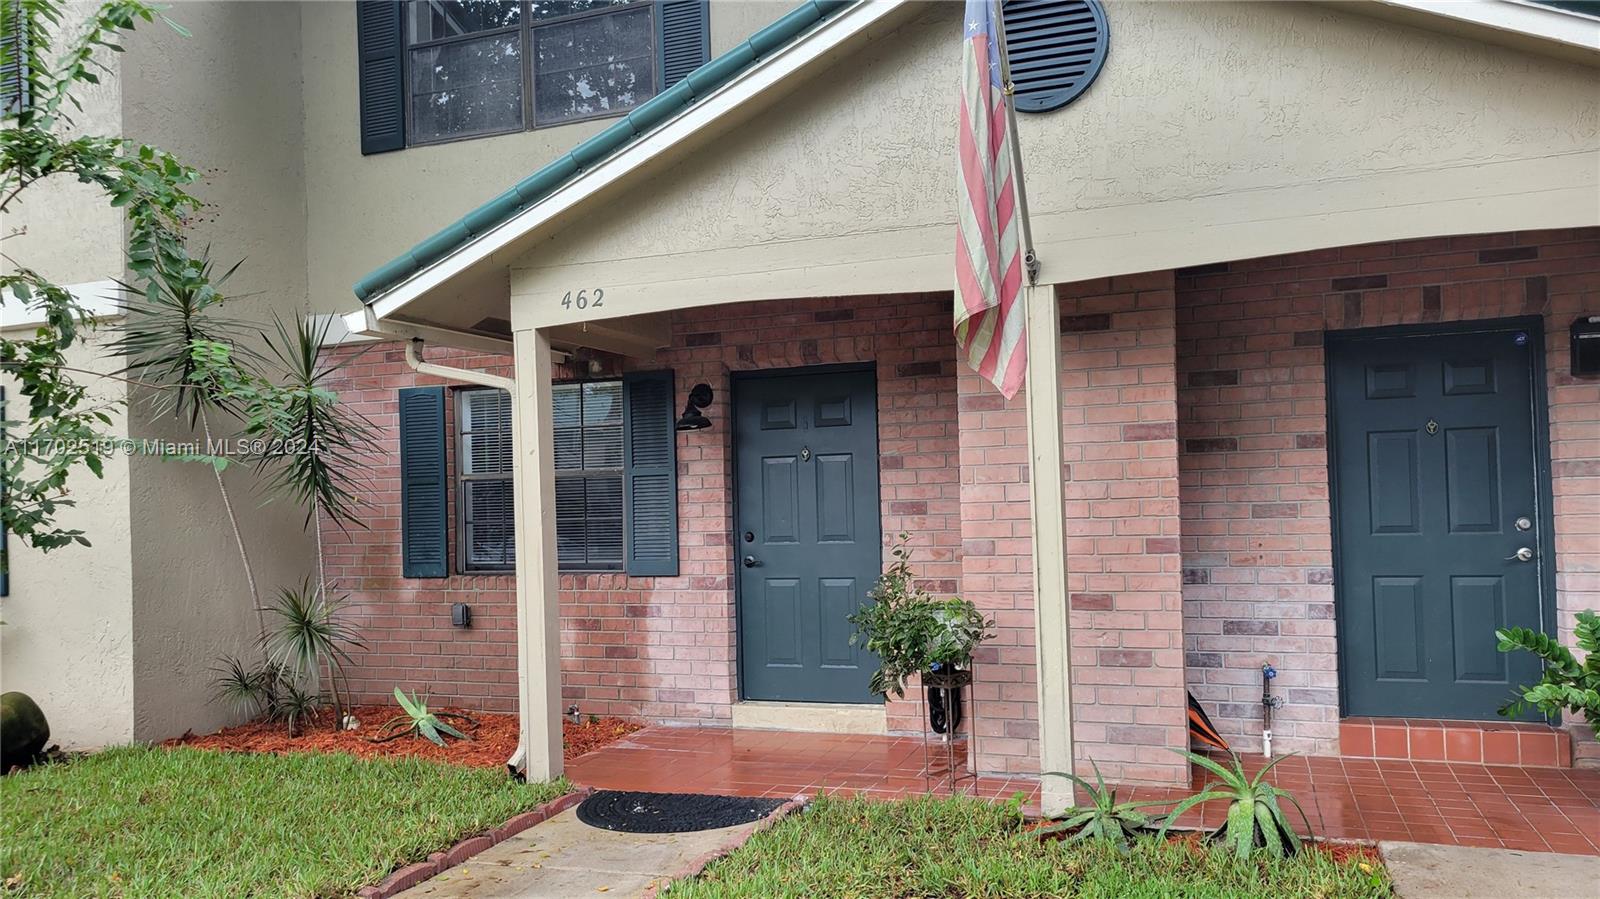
(584, 299)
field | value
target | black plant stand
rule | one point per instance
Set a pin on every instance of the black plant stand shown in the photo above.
(947, 682)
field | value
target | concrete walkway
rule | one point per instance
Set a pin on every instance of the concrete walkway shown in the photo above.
(563, 858)
(1424, 871)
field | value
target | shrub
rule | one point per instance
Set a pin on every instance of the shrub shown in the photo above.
(1567, 684)
(910, 631)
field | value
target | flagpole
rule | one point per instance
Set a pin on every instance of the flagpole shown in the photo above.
(1030, 260)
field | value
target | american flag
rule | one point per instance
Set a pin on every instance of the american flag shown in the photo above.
(989, 252)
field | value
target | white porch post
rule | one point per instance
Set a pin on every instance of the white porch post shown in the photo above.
(538, 612)
(1051, 621)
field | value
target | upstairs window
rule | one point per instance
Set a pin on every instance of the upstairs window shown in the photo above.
(440, 70)
(478, 67)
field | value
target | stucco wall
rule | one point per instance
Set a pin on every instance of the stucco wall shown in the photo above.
(365, 210)
(1215, 130)
(226, 101)
(67, 640)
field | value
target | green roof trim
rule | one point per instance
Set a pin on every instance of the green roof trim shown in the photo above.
(541, 184)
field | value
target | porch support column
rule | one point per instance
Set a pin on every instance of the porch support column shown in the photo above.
(538, 605)
(1054, 667)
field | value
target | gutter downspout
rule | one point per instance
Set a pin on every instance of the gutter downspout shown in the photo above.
(482, 379)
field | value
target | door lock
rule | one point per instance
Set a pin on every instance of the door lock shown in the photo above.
(1523, 554)
(751, 561)
(1523, 524)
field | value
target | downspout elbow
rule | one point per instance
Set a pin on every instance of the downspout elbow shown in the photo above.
(483, 379)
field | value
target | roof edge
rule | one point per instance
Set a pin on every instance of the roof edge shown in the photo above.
(541, 184)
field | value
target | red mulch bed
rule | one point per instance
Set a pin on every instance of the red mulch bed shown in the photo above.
(493, 740)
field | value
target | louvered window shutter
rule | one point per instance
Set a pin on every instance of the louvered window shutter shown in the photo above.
(685, 38)
(423, 534)
(382, 75)
(650, 462)
(13, 67)
(1056, 48)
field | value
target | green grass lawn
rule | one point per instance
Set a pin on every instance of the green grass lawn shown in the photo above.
(184, 822)
(967, 848)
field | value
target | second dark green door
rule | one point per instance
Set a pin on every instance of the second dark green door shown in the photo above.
(1439, 521)
(808, 538)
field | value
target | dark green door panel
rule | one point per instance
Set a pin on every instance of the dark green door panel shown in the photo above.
(808, 535)
(1434, 463)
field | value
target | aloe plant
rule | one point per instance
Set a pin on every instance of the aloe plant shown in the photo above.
(419, 721)
(1103, 818)
(1256, 819)
(1567, 683)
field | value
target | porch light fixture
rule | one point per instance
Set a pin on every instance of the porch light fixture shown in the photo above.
(693, 417)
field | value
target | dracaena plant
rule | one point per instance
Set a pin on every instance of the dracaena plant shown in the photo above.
(1256, 820)
(1102, 817)
(1568, 684)
(419, 721)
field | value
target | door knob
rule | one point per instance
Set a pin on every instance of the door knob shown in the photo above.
(1523, 554)
(751, 561)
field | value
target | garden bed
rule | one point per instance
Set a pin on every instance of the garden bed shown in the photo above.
(967, 847)
(493, 740)
(177, 822)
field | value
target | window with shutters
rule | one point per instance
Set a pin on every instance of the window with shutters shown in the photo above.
(479, 67)
(483, 468)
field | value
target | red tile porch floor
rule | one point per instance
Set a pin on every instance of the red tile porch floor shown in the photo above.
(1539, 809)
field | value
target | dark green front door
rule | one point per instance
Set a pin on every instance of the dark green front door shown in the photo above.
(807, 538)
(1437, 489)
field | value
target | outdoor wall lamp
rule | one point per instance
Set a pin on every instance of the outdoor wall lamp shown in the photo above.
(693, 417)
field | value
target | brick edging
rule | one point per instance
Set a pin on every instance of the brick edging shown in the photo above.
(417, 872)
(733, 841)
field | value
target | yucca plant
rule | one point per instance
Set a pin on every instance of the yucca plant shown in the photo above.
(245, 689)
(418, 721)
(1567, 683)
(1103, 817)
(1256, 820)
(307, 635)
(295, 704)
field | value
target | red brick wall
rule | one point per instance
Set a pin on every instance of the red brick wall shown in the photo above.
(1120, 422)
(658, 648)
(406, 622)
(1258, 576)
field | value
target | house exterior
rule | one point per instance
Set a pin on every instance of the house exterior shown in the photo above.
(1300, 375)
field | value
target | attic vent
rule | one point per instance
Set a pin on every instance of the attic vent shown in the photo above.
(1056, 48)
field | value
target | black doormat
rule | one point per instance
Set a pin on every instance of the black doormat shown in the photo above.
(670, 812)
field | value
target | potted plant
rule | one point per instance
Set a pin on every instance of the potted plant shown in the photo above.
(911, 632)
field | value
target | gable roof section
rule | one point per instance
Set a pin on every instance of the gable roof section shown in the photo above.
(546, 181)
(688, 106)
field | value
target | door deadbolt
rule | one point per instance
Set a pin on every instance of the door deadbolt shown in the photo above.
(1523, 524)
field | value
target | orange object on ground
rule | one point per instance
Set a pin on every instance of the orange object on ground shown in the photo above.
(493, 741)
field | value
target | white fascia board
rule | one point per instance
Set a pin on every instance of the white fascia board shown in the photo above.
(757, 80)
(363, 325)
(99, 299)
(1534, 20)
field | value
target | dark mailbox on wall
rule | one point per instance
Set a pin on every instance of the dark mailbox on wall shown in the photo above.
(1586, 346)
